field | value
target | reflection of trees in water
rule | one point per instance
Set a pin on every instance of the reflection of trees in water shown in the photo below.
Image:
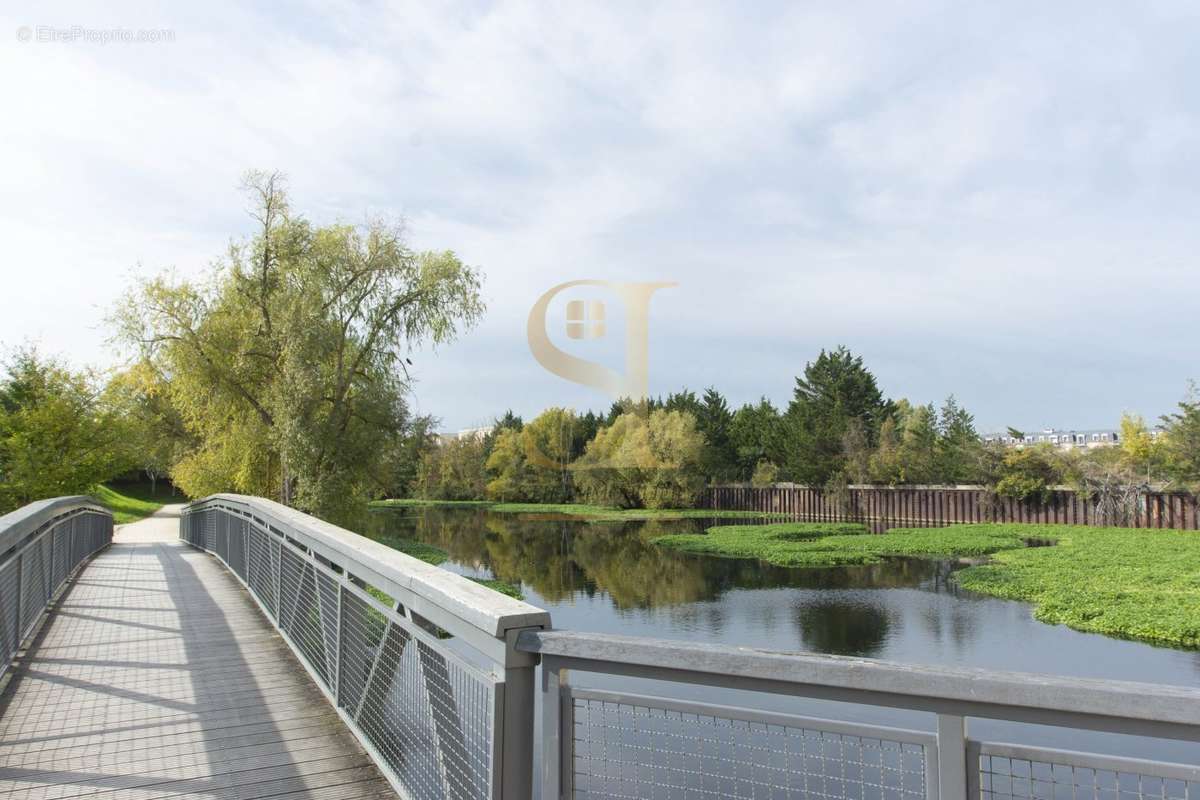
(559, 557)
(851, 629)
(958, 623)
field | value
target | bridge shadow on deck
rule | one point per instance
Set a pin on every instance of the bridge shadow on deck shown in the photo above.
(156, 675)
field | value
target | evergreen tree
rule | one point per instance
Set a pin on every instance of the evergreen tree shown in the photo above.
(1182, 431)
(715, 420)
(834, 389)
(960, 447)
(754, 433)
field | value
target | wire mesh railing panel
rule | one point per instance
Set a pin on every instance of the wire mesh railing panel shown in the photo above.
(261, 578)
(300, 614)
(62, 555)
(236, 535)
(10, 621)
(327, 597)
(428, 716)
(33, 586)
(46, 545)
(32, 573)
(657, 750)
(1008, 772)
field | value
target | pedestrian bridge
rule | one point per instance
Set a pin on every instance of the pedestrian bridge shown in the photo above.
(236, 648)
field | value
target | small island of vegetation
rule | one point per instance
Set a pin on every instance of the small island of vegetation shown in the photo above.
(1140, 584)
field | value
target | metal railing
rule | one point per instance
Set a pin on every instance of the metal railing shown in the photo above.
(41, 546)
(434, 674)
(420, 663)
(623, 745)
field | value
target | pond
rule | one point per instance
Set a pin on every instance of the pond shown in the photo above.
(607, 577)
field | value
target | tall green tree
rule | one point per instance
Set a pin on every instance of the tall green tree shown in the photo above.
(715, 422)
(403, 457)
(908, 446)
(754, 434)
(59, 435)
(649, 461)
(533, 464)
(155, 436)
(834, 389)
(549, 443)
(288, 365)
(1182, 431)
(959, 445)
(508, 421)
(1141, 453)
(452, 470)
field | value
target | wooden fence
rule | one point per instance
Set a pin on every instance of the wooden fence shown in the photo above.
(885, 507)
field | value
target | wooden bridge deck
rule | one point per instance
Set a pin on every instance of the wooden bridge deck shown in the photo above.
(156, 676)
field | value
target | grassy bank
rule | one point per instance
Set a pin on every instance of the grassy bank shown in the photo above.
(581, 510)
(1142, 584)
(130, 502)
(436, 556)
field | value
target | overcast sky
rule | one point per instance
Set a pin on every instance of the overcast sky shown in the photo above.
(997, 200)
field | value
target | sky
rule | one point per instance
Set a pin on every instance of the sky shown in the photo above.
(994, 200)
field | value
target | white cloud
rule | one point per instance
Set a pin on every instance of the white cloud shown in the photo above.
(936, 184)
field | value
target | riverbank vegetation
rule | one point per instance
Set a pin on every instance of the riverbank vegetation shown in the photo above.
(839, 429)
(1142, 584)
(581, 510)
(822, 544)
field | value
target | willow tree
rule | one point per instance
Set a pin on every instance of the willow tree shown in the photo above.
(288, 363)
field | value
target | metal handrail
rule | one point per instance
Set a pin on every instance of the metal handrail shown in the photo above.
(42, 545)
(17, 526)
(1122, 706)
(953, 764)
(319, 584)
(393, 676)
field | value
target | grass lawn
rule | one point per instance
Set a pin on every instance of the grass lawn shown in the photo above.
(581, 510)
(1141, 584)
(436, 555)
(130, 502)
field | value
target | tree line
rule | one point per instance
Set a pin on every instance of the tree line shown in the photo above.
(838, 429)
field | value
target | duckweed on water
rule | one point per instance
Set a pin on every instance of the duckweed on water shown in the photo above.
(1142, 584)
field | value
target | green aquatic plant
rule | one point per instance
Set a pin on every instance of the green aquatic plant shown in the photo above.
(1124, 582)
(828, 544)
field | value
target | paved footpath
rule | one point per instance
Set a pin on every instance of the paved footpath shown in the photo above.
(156, 676)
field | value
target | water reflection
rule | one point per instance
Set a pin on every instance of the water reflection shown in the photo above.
(841, 628)
(559, 558)
(607, 577)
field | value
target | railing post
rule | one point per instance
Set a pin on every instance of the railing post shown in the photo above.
(516, 754)
(951, 757)
(553, 764)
